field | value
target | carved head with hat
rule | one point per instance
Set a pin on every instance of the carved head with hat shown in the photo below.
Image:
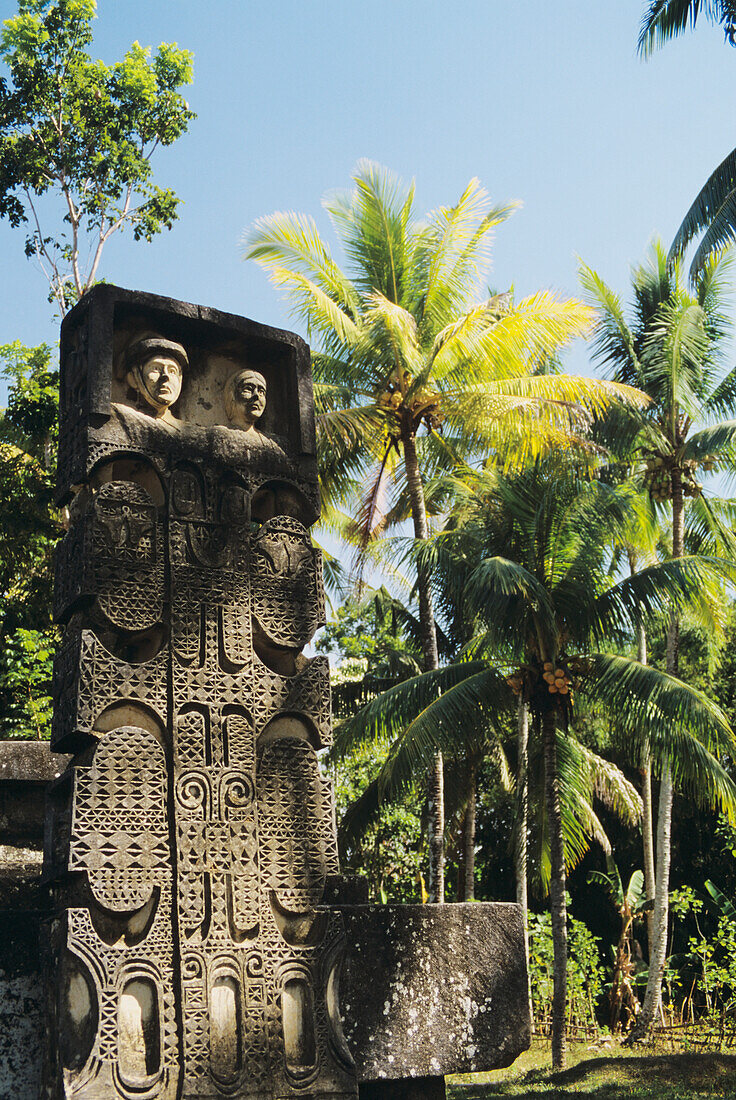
(155, 368)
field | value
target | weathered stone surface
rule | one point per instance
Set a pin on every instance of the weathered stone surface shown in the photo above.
(28, 762)
(21, 1006)
(191, 839)
(434, 989)
(475, 949)
(26, 769)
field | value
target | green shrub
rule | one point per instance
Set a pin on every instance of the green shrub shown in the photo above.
(584, 972)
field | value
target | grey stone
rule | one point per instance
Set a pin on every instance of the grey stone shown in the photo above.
(434, 989)
(191, 839)
(21, 1006)
(26, 769)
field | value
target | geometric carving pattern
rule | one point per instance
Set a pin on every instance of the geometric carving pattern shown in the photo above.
(119, 827)
(193, 834)
(288, 603)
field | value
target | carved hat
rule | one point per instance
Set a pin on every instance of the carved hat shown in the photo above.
(148, 346)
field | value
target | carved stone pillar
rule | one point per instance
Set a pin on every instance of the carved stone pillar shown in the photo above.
(191, 837)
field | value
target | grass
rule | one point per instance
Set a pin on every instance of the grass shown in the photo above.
(612, 1075)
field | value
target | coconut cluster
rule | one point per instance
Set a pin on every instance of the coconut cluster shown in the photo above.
(658, 476)
(424, 405)
(549, 678)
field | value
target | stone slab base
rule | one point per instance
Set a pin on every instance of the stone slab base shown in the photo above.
(418, 1088)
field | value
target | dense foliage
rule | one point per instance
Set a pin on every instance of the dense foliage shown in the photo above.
(30, 526)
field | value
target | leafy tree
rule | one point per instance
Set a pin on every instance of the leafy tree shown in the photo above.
(713, 212)
(29, 529)
(26, 665)
(83, 132)
(374, 643)
(540, 587)
(29, 523)
(416, 369)
(671, 349)
(585, 972)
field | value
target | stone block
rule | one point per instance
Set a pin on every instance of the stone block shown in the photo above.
(428, 990)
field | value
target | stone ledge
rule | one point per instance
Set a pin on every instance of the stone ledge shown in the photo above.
(30, 762)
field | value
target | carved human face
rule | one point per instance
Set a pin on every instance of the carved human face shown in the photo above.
(159, 381)
(249, 398)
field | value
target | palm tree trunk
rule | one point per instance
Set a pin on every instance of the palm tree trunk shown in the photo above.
(660, 917)
(558, 903)
(522, 829)
(435, 780)
(421, 531)
(436, 829)
(467, 841)
(647, 833)
(647, 830)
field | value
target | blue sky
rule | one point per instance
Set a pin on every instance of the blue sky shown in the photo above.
(546, 103)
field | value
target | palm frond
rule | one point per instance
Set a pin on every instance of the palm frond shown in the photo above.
(453, 723)
(613, 340)
(291, 242)
(503, 591)
(389, 324)
(665, 19)
(710, 527)
(452, 250)
(713, 206)
(614, 790)
(482, 346)
(673, 350)
(684, 582)
(389, 715)
(682, 726)
(717, 442)
(723, 399)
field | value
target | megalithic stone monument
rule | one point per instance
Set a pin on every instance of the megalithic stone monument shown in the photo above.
(191, 838)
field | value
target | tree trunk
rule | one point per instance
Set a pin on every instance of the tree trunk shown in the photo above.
(647, 834)
(435, 780)
(421, 532)
(660, 917)
(466, 877)
(436, 829)
(522, 828)
(558, 903)
(647, 830)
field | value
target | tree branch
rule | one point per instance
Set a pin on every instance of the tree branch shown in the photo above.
(54, 279)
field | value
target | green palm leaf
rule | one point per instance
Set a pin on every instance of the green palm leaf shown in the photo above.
(684, 728)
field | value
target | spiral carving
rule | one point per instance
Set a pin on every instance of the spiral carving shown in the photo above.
(237, 792)
(192, 792)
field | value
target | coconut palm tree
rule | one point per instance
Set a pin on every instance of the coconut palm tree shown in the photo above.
(671, 348)
(541, 591)
(713, 212)
(416, 369)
